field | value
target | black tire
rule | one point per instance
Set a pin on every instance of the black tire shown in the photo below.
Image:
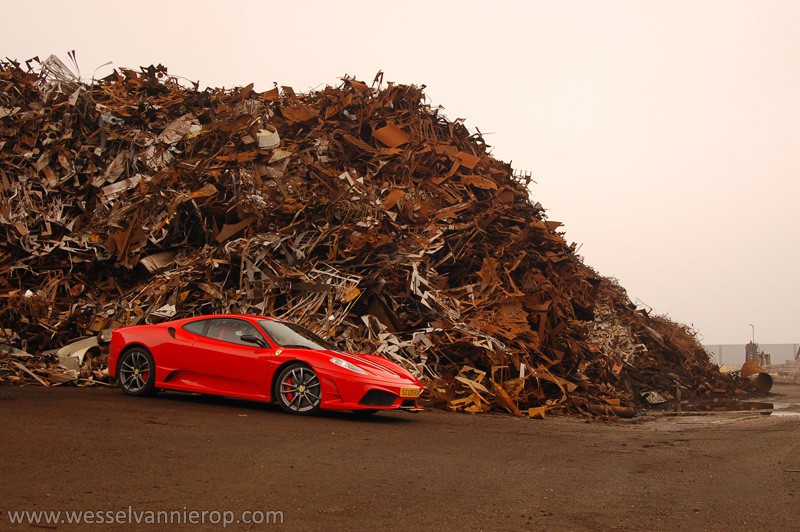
(136, 372)
(297, 390)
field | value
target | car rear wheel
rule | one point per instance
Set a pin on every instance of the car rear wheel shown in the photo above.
(298, 390)
(136, 374)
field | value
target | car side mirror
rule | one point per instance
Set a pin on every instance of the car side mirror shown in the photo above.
(253, 339)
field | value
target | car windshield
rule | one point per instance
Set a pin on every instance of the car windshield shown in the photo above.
(292, 335)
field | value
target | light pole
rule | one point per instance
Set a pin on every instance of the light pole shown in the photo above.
(753, 340)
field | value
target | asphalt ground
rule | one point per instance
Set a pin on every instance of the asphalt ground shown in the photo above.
(110, 456)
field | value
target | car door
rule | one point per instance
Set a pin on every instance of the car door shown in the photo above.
(175, 357)
(226, 364)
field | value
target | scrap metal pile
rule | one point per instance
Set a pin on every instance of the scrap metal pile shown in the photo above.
(359, 211)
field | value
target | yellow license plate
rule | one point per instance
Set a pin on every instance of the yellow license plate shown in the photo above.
(409, 392)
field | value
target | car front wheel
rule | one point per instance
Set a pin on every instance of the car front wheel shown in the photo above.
(136, 374)
(298, 390)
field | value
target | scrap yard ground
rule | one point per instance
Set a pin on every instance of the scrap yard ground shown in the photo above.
(95, 449)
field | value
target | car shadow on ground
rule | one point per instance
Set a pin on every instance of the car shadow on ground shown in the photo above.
(389, 416)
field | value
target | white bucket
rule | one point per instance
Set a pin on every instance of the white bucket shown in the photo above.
(268, 137)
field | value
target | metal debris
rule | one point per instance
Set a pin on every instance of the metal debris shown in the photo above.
(758, 376)
(359, 211)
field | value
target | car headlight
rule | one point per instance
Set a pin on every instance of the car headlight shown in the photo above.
(347, 365)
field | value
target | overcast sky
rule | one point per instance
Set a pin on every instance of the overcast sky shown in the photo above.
(665, 135)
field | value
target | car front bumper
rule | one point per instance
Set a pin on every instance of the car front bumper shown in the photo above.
(352, 393)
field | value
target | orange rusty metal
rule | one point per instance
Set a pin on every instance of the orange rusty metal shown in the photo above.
(366, 215)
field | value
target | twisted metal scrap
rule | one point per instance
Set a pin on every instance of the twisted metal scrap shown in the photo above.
(376, 221)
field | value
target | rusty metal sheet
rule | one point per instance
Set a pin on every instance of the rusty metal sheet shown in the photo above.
(392, 136)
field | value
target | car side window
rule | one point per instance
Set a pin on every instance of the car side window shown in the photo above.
(232, 330)
(197, 327)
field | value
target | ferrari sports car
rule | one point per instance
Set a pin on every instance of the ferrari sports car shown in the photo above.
(258, 358)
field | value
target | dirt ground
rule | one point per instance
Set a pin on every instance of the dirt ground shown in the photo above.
(96, 449)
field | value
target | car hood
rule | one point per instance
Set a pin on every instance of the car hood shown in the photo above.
(383, 369)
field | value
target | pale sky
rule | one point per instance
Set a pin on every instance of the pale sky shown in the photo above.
(664, 135)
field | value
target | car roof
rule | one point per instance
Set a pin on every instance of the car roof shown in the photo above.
(182, 321)
(240, 316)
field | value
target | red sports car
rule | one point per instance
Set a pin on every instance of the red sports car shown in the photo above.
(253, 357)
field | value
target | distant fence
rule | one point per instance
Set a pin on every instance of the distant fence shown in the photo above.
(733, 354)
